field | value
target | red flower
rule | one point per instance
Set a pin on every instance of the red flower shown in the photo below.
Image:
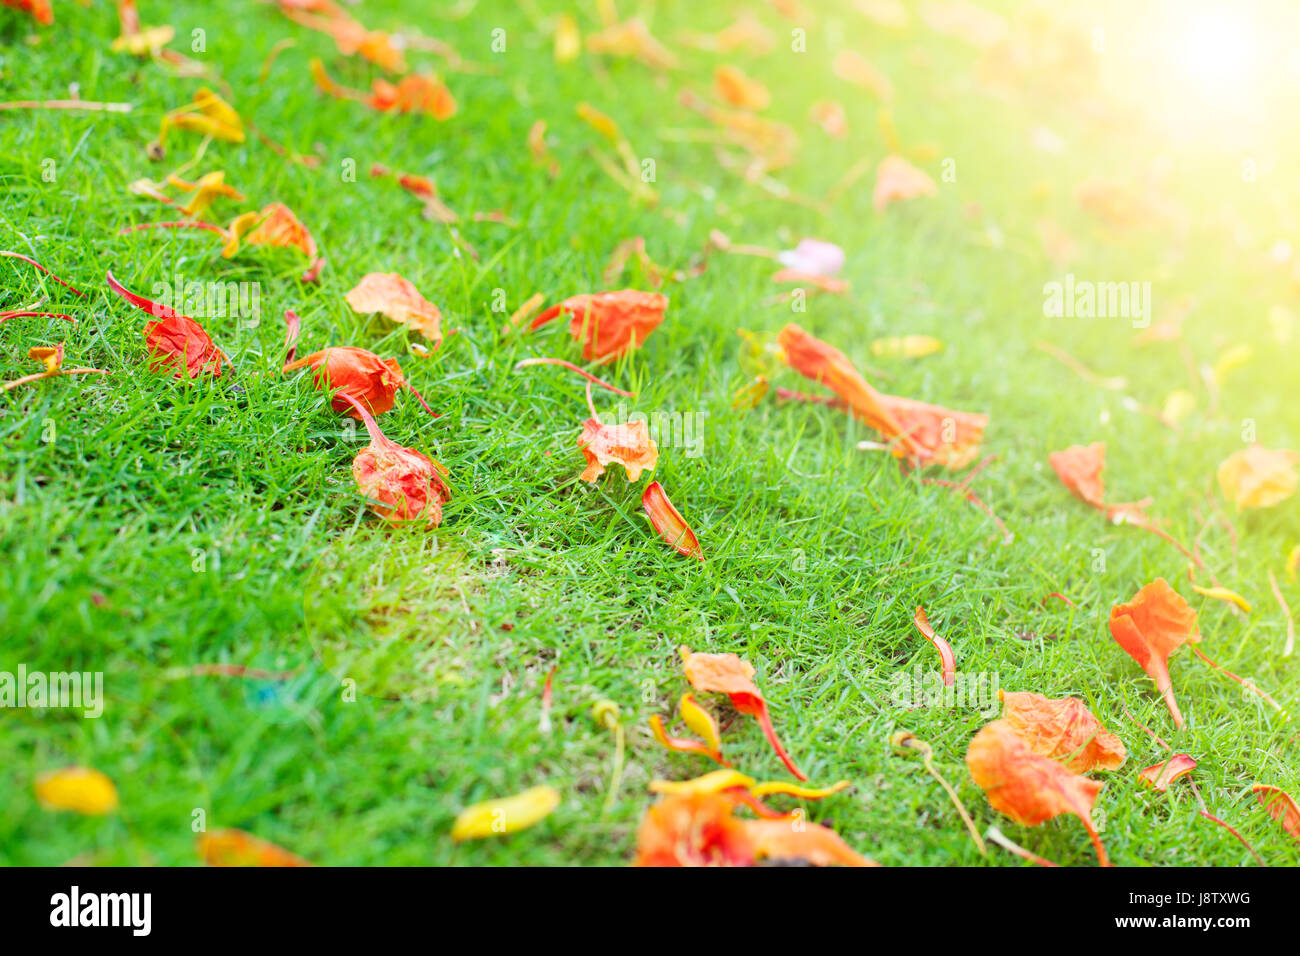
(175, 341)
(609, 323)
(358, 374)
(402, 483)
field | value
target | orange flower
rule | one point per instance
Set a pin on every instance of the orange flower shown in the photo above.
(359, 373)
(1062, 729)
(693, 829)
(1162, 774)
(609, 324)
(1151, 627)
(740, 90)
(897, 179)
(628, 445)
(236, 848)
(175, 341)
(40, 9)
(403, 484)
(1281, 806)
(728, 674)
(1028, 787)
(416, 93)
(666, 519)
(278, 226)
(925, 434)
(802, 841)
(397, 298)
(1257, 477)
(699, 829)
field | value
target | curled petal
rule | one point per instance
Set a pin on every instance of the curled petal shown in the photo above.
(1162, 774)
(683, 744)
(773, 788)
(700, 721)
(666, 519)
(1281, 806)
(946, 657)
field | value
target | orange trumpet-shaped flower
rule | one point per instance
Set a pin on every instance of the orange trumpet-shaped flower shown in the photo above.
(628, 445)
(175, 341)
(402, 483)
(728, 674)
(1063, 730)
(1151, 627)
(693, 829)
(924, 434)
(609, 323)
(897, 179)
(1258, 477)
(40, 9)
(699, 828)
(666, 519)
(397, 298)
(1026, 786)
(360, 374)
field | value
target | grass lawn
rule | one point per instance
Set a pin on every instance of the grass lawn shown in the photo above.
(150, 525)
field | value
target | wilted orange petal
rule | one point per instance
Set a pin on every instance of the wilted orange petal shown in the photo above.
(1150, 628)
(946, 657)
(608, 324)
(799, 840)
(394, 296)
(1162, 774)
(1281, 806)
(628, 445)
(672, 527)
(1063, 729)
(1027, 787)
(237, 848)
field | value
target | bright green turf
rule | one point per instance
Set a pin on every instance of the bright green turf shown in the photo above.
(817, 554)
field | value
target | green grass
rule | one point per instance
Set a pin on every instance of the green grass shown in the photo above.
(817, 553)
